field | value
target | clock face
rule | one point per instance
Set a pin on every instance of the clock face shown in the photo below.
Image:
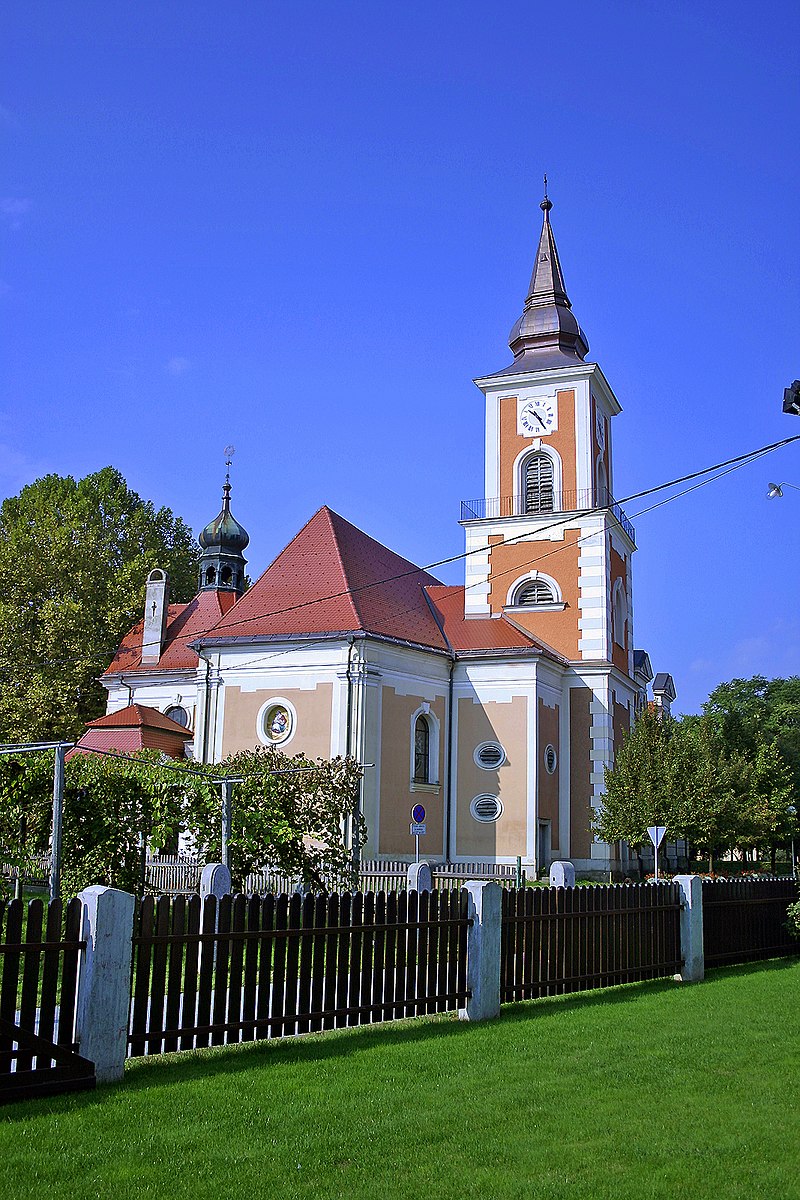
(538, 418)
(600, 430)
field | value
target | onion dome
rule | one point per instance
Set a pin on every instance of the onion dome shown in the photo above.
(223, 541)
(225, 532)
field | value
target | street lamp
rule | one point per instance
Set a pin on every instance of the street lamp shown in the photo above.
(776, 489)
(791, 398)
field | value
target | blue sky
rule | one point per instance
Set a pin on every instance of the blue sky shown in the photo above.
(305, 228)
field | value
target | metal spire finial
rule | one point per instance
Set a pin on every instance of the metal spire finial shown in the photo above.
(226, 491)
(546, 204)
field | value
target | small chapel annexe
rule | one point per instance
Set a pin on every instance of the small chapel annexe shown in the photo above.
(499, 703)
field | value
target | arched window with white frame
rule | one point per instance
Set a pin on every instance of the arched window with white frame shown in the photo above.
(424, 750)
(535, 591)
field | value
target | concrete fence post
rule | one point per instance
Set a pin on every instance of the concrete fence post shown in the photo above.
(215, 880)
(104, 982)
(419, 877)
(694, 966)
(483, 951)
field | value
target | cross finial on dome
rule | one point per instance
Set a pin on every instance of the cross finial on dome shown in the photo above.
(547, 203)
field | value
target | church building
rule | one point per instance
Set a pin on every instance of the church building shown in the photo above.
(498, 704)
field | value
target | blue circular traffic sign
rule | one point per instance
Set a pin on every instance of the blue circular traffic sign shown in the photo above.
(418, 814)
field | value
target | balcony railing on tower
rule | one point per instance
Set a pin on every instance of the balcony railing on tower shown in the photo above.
(560, 504)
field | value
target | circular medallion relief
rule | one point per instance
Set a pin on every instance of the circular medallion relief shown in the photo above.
(550, 759)
(276, 722)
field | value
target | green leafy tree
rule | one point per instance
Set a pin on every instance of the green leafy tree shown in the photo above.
(74, 557)
(685, 776)
(290, 815)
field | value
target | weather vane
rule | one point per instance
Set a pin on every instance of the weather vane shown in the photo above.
(545, 187)
(229, 453)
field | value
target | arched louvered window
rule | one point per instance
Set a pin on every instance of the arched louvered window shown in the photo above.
(603, 498)
(422, 751)
(534, 591)
(538, 480)
(619, 615)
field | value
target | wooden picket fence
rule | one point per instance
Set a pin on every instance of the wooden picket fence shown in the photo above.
(745, 919)
(40, 947)
(175, 875)
(210, 972)
(557, 940)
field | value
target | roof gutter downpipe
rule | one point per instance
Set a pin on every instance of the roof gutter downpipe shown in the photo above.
(451, 799)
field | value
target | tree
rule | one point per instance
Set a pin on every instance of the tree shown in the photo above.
(291, 815)
(74, 557)
(683, 774)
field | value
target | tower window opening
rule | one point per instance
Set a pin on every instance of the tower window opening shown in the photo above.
(534, 591)
(538, 480)
(226, 575)
(422, 751)
(211, 575)
(619, 616)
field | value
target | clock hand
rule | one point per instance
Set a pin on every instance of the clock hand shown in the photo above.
(539, 419)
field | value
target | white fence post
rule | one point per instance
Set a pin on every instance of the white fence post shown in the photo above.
(104, 983)
(691, 927)
(483, 951)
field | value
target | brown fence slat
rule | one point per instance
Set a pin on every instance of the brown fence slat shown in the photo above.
(219, 1005)
(50, 963)
(174, 983)
(144, 923)
(319, 918)
(70, 960)
(205, 982)
(252, 949)
(9, 979)
(236, 964)
(365, 986)
(190, 974)
(294, 923)
(277, 1004)
(379, 958)
(29, 992)
(266, 918)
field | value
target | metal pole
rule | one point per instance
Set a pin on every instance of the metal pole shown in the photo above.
(416, 842)
(58, 816)
(227, 795)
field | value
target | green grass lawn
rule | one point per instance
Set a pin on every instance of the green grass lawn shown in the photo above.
(650, 1090)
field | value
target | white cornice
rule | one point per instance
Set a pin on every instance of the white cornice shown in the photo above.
(556, 375)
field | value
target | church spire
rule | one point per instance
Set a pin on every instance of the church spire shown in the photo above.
(547, 332)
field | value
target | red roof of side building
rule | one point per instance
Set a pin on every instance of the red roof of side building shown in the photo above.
(137, 727)
(333, 578)
(185, 623)
(480, 633)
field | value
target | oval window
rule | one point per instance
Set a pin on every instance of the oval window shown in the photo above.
(489, 755)
(486, 808)
(550, 759)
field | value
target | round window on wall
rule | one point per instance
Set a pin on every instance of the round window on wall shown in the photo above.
(277, 723)
(178, 714)
(550, 759)
(486, 808)
(489, 755)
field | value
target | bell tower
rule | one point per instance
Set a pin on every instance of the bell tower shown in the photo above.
(549, 547)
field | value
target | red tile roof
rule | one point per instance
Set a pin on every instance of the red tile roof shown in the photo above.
(185, 623)
(137, 727)
(139, 716)
(333, 578)
(479, 633)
